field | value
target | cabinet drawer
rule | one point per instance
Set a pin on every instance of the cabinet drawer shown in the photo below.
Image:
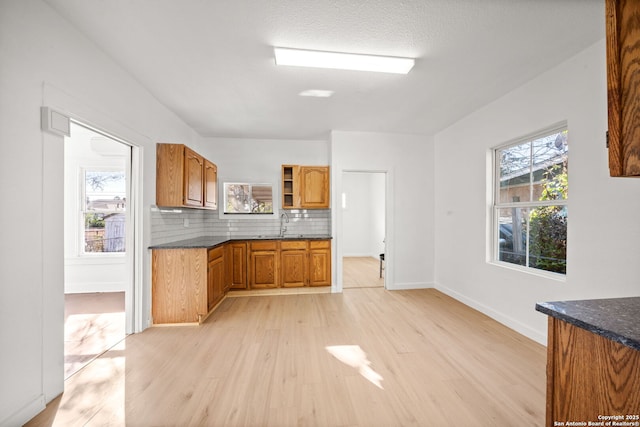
(215, 253)
(293, 244)
(270, 245)
(319, 244)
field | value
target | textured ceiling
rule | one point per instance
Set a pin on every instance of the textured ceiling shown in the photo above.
(211, 61)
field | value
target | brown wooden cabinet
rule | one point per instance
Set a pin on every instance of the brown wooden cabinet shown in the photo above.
(319, 262)
(293, 263)
(263, 264)
(188, 283)
(589, 376)
(184, 178)
(193, 178)
(314, 187)
(305, 187)
(210, 199)
(236, 265)
(179, 285)
(623, 86)
(290, 263)
(215, 277)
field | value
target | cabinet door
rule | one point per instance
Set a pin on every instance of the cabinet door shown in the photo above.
(320, 263)
(236, 263)
(589, 375)
(314, 186)
(210, 185)
(193, 178)
(264, 269)
(215, 281)
(169, 174)
(179, 285)
(623, 86)
(293, 268)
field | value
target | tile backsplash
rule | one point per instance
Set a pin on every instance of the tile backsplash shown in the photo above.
(169, 225)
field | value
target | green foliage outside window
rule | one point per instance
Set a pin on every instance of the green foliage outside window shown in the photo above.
(93, 220)
(548, 224)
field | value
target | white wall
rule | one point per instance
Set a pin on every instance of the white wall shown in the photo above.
(408, 161)
(603, 230)
(45, 61)
(261, 160)
(363, 217)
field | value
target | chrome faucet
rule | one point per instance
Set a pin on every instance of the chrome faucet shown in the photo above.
(283, 218)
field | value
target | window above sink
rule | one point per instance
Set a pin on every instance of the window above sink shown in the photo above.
(248, 198)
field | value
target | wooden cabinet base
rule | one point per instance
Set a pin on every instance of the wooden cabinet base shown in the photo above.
(179, 285)
(189, 283)
(589, 376)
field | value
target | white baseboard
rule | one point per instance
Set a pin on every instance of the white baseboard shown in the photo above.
(24, 414)
(82, 288)
(409, 286)
(361, 256)
(496, 315)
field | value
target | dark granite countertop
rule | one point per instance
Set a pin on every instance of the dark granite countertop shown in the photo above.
(212, 242)
(616, 318)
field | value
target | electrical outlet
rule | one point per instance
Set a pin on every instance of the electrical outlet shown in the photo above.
(186, 222)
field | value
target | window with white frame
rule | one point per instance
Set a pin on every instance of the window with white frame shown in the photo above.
(103, 213)
(530, 201)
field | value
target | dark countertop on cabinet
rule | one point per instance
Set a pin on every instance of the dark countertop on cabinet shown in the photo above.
(212, 242)
(617, 319)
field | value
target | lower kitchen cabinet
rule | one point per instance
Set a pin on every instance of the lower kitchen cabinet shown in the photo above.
(179, 285)
(290, 263)
(319, 262)
(188, 283)
(293, 263)
(263, 265)
(236, 265)
(215, 277)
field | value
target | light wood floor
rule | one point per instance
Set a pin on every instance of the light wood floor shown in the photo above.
(361, 272)
(262, 361)
(93, 323)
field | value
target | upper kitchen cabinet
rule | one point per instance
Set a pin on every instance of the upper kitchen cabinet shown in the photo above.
(623, 86)
(210, 185)
(305, 187)
(184, 178)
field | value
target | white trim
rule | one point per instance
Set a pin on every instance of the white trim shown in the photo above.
(361, 255)
(27, 412)
(494, 205)
(95, 287)
(530, 270)
(135, 256)
(53, 159)
(336, 191)
(410, 286)
(510, 322)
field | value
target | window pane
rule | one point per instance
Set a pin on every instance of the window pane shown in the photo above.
(104, 217)
(515, 173)
(237, 198)
(248, 198)
(550, 167)
(512, 232)
(262, 199)
(548, 238)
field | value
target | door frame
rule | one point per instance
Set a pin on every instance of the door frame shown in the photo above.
(337, 286)
(133, 254)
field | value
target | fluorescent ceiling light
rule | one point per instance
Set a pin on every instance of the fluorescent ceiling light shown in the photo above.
(342, 61)
(318, 93)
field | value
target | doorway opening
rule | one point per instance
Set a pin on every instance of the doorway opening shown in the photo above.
(363, 207)
(98, 252)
